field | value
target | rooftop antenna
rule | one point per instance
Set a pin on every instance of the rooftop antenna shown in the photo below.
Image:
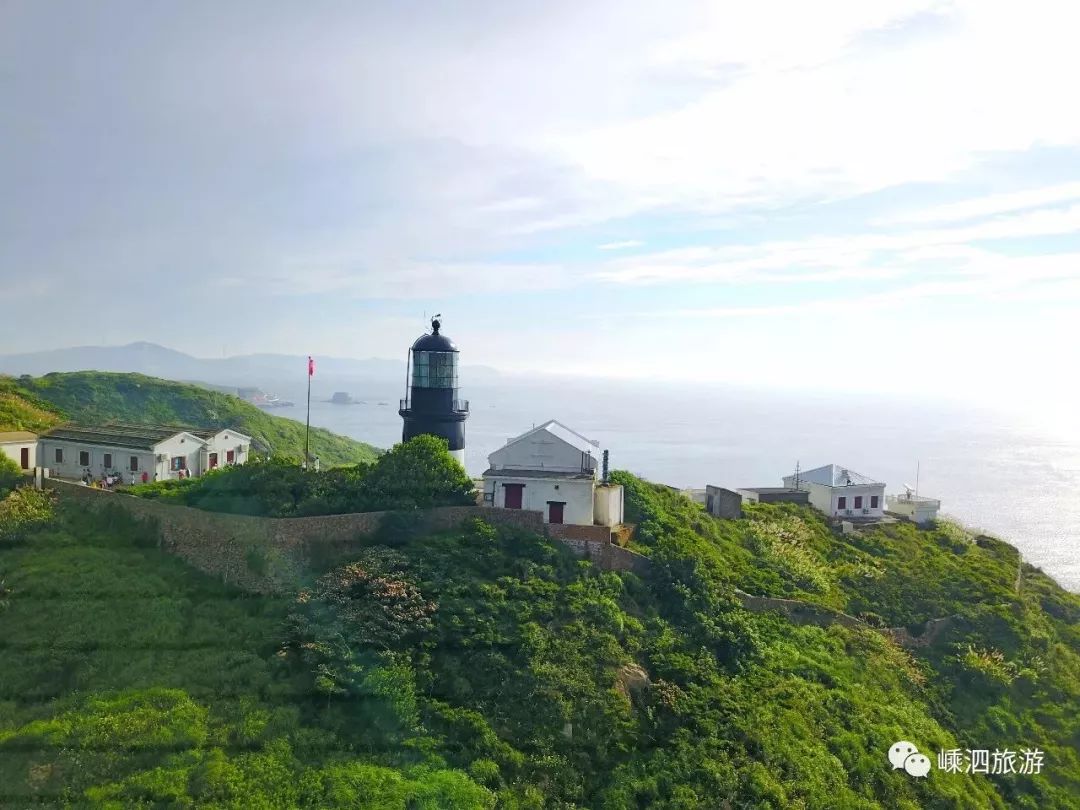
(918, 464)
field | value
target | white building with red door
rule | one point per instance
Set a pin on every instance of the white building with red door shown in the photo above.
(21, 447)
(553, 469)
(840, 492)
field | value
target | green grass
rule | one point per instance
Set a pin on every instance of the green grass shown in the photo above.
(36, 403)
(488, 667)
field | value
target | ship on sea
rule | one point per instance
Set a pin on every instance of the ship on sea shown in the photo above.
(262, 399)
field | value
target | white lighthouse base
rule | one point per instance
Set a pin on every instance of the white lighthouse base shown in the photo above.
(459, 456)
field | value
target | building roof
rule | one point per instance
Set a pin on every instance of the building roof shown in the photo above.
(833, 475)
(139, 437)
(516, 473)
(767, 490)
(561, 431)
(12, 436)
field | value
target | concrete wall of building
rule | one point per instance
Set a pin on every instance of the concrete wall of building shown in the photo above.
(608, 505)
(14, 451)
(542, 451)
(723, 503)
(577, 494)
(71, 467)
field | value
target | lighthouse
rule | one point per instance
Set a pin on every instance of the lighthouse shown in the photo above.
(431, 405)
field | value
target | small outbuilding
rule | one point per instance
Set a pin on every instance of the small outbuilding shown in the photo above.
(723, 503)
(553, 469)
(916, 508)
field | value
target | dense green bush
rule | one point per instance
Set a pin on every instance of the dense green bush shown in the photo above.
(10, 475)
(417, 474)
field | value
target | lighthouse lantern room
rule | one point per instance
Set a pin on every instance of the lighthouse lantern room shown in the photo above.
(431, 405)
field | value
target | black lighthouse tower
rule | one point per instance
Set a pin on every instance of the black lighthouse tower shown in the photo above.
(431, 405)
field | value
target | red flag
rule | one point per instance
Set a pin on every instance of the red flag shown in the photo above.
(310, 366)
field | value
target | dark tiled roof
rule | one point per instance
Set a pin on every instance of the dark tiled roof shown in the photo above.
(503, 473)
(18, 436)
(141, 437)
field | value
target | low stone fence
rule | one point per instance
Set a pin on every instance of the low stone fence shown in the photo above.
(798, 612)
(266, 554)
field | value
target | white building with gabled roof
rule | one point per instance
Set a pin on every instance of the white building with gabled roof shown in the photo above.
(553, 469)
(137, 451)
(840, 492)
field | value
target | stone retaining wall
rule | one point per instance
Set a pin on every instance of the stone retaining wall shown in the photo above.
(267, 554)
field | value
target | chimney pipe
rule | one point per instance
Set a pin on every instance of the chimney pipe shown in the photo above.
(605, 468)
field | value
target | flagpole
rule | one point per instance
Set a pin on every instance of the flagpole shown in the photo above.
(307, 423)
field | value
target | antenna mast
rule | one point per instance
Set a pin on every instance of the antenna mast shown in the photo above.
(918, 464)
(796, 475)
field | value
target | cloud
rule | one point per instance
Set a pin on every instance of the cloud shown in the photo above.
(835, 257)
(988, 205)
(628, 243)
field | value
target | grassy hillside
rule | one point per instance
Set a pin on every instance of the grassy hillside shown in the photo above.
(34, 403)
(488, 668)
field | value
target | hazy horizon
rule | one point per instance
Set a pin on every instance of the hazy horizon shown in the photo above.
(856, 197)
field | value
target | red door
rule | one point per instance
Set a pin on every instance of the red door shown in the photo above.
(555, 510)
(512, 499)
(26, 458)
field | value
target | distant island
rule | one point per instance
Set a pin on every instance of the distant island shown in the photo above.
(344, 398)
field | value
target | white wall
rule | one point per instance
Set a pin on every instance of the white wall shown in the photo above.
(919, 511)
(14, 450)
(542, 451)
(72, 469)
(577, 494)
(608, 508)
(827, 499)
(183, 444)
(222, 443)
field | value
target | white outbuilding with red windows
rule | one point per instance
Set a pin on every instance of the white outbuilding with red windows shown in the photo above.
(840, 492)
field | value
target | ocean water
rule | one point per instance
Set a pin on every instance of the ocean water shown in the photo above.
(990, 471)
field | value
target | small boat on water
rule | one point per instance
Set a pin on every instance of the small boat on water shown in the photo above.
(342, 398)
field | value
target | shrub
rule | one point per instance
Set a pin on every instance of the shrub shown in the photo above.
(10, 475)
(24, 510)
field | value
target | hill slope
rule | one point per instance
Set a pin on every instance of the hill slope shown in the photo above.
(481, 667)
(35, 403)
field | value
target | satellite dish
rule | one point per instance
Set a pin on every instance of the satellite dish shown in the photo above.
(909, 488)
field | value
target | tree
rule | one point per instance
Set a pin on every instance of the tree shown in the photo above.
(419, 473)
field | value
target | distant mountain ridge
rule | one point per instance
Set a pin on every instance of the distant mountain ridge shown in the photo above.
(159, 361)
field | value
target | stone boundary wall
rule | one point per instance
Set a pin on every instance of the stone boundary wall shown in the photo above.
(266, 554)
(593, 534)
(805, 613)
(798, 612)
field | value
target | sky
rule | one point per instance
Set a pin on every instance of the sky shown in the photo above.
(849, 195)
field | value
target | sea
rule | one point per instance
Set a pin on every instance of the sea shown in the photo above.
(994, 472)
